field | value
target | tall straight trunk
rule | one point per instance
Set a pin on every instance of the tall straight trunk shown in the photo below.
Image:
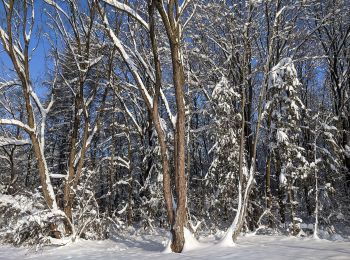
(170, 21)
(316, 190)
(290, 193)
(167, 192)
(268, 177)
(129, 210)
(240, 212)
(281, 191)
(179, 81)
(29, 158)
(173, 32)
(112, 172)
(71, 167)
(172, 27)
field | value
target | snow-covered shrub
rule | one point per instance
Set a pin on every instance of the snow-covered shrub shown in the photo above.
(88, 222)
(25, 220)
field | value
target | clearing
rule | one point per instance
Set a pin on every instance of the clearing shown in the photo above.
(145, 246)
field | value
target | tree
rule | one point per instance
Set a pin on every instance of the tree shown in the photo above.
(172, 24)
(16, 38)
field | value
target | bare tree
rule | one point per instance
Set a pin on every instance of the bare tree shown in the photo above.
(16, 37)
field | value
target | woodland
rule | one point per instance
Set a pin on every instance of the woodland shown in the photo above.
(189, 116)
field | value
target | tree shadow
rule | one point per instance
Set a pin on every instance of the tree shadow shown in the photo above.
(298, 247)
(141, 242)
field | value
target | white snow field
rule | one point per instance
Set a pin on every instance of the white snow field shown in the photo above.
(143, 246)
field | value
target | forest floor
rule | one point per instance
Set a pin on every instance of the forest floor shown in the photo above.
(142, 246)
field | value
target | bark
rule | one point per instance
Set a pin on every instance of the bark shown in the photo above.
(26, 184)
(176, 219)
(174, 36)
(178, 78)
(71, 169)
(155, 117)
(290, 192)
(241, 162)
(268, 177)
(129, 211)
(281, 191)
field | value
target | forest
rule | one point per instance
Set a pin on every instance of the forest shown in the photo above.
(189, 116)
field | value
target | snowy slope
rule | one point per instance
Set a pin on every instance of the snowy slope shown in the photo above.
(151, 247)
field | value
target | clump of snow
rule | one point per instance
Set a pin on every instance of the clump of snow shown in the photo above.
(282, 178)
(167, 244)
(281, 136)
(227, 240)
(191, 242)
(347, 151)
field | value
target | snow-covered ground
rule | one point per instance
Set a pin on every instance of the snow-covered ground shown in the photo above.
(142, 246)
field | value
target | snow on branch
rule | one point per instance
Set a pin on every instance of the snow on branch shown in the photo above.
(129, 62)
(139, 129)
(8, 84)
(55, 5)
(88, 141)
(37, 101)
(18, 123)
(123, 162)
(8, 47)
(13, 141)
(169, 113)
(127, 9)
(58, 176)
(183, 7)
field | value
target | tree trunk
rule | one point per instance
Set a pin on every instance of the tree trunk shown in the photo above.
(281, 192)
(155, 117)
(179, 81)
(268, 177)
(129, 212)
(68, 204)
(290, 192)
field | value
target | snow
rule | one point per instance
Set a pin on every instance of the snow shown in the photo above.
(13, 141)
(18, 202)
(16, 123)
(227, 241)
(282, 178)
(130, 63)
(281, 136)
(191, 243)
(347, 151)
(58, 176)
(170, 114)
(129, 10)
(145, 246)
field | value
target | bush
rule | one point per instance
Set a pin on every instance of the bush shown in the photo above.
(26, 220)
